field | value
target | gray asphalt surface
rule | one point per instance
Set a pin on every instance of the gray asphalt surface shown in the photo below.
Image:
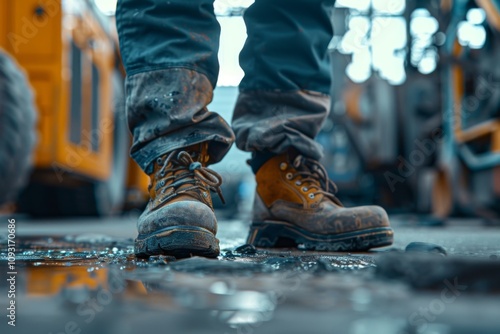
(80, 276)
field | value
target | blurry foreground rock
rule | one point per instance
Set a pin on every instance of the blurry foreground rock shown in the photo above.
(427, 271)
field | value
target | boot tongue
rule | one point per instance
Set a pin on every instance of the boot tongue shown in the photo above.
(313, 173)
(318, 174)
(177, 164)
(187, 174)
(300, 163)
(199, 153)
(199, 156)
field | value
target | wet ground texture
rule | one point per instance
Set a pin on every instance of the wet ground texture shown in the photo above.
(80, 276)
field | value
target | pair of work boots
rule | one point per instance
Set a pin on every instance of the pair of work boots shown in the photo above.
(294, 205)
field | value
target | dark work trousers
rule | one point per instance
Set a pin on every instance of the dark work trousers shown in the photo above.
(169, 49)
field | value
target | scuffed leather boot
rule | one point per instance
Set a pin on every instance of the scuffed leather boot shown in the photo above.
(295, 205)
(179, 219)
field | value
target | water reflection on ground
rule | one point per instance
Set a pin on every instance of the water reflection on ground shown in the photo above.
(92, 283)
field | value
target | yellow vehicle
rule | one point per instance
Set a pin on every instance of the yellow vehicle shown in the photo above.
(69, 51)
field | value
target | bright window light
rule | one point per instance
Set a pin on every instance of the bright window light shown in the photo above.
(427, 64)
(359, 5)
(107, 7)
(476, 16)
(422, 25)
(230, 7)
(473, 36)
(221, 7)
(393, 7)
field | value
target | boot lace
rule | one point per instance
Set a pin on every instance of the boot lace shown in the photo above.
(314, 176)
(195, 175)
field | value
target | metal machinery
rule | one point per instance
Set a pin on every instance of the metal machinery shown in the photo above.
(69, 52)
(426, 142)
(468, 178)
(430, 142)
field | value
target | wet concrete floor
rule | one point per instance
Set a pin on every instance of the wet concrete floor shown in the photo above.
(80, 276)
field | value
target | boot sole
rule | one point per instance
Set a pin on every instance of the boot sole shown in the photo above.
(274, 234)
(178, 241)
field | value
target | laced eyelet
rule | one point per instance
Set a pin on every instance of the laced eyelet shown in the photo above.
(311, 195)
(304, 189)
(289, 176)
(283, 165)
(194, 166)
(298, 183)
(159, 161)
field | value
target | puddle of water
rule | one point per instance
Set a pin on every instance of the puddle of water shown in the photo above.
(93, 249)
(79, 276)
(71, 272)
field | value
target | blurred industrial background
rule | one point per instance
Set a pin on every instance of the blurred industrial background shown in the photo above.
(414, 127)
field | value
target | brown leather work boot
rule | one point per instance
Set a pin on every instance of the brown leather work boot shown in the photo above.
(295, 205)
(179, 219)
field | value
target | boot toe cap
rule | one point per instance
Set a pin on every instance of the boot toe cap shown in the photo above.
(356, 219)
(377, 216)
(181, 213)
(364, 217)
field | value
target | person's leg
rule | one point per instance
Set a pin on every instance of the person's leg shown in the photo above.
(284, 95)
(169, 50)
(283, 101)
